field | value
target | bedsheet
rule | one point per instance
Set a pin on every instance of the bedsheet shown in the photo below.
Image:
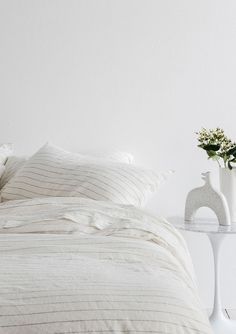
(70, 265)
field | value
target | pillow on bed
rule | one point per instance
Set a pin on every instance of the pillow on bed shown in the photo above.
(14, 163)
(2, 169)
(5, 151)
(55, 172)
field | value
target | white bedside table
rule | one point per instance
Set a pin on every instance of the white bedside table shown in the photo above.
(216, 233)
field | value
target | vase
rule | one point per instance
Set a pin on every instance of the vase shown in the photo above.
(228, 188)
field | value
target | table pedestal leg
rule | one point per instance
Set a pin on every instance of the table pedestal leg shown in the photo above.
(220, 324)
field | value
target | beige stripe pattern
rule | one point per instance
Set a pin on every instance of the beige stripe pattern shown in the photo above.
(130, 273)
(55, 172)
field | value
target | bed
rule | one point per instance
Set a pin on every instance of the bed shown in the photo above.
(72, 264)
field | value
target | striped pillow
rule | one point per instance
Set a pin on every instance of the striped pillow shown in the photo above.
(14, 163)
(5, 151)
(55, 172)
(12, 166)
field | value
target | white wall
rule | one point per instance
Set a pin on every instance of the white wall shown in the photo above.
(137, 75)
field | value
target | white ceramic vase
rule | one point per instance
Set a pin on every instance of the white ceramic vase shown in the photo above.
(228, 188)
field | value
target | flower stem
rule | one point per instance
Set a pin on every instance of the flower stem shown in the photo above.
(218, 163)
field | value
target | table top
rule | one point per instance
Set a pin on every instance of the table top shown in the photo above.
(202, 225)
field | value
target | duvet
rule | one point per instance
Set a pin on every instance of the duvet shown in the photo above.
(71, 265)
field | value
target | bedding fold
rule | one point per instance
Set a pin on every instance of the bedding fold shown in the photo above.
(72, 265)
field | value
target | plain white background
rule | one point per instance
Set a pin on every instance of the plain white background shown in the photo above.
(137, 75)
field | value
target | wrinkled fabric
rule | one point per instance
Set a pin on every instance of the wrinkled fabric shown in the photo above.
(72, 265)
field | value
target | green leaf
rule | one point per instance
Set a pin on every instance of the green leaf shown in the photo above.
(229, 163)
(211, 154)
(211, 147)
(232, 151)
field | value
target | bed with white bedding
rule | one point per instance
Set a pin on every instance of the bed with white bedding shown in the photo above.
(74, 265)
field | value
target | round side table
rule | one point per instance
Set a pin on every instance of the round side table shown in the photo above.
(216, 234)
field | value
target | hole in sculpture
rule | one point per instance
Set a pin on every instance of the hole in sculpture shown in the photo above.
(205, 212)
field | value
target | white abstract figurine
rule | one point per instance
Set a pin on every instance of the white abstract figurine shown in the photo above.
(207, 196)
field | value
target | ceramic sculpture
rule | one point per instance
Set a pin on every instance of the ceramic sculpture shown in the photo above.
(207, 196)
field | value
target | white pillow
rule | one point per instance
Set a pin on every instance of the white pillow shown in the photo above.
(55, 172)
(2, 169)
(14, 163)
(5, 151)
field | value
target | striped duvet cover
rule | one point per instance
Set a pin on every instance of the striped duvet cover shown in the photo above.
(72, 265)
